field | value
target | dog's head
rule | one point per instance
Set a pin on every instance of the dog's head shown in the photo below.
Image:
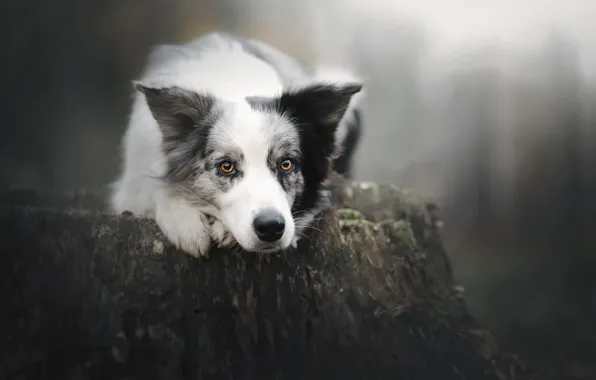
(256, 165)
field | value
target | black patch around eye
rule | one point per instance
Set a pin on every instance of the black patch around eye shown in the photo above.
(315, 112)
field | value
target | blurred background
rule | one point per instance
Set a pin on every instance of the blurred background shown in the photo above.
(489, 105)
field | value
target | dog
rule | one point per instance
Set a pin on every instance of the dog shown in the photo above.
(230, 141)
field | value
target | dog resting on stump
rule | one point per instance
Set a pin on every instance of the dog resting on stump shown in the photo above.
(231, 142)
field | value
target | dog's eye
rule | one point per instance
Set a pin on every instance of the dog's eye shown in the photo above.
(227, 167)
(286, 165)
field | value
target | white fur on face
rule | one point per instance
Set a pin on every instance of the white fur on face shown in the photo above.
(252, 133)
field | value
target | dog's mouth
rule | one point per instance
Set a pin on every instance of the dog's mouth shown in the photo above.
(269, 248)
(261, 247)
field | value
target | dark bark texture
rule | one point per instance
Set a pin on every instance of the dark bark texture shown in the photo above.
(369, 294)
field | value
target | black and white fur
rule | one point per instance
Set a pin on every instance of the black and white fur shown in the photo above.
(221, 101)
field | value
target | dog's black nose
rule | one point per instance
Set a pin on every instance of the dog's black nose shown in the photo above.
(269, 225)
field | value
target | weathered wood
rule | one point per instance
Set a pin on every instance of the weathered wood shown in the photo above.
(370, 295)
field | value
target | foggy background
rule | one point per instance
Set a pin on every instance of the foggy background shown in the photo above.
(490, 105)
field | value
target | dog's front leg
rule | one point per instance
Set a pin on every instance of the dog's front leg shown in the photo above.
(219, 233)
(183, 225)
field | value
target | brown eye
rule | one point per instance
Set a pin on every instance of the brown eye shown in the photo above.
(286, 165)
(227, 167)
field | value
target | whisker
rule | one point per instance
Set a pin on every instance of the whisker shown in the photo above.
(305, 237)
(310, 227)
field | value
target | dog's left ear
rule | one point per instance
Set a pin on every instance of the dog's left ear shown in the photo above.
(318, 104)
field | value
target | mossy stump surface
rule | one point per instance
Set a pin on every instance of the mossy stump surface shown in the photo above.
(367, 295)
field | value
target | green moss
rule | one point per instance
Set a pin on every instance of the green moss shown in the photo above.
(353, 219)
(403, 231)
(352, 222)
(349, 214)
(355, 223)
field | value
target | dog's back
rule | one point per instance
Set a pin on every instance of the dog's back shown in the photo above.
(217, 63)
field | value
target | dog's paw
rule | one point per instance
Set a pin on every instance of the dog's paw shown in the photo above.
(185, 227)
(220, 234)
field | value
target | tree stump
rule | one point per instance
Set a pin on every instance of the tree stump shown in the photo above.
(368, 294)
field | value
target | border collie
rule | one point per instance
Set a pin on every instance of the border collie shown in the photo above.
(232, 141)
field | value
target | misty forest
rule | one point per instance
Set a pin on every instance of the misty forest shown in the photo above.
(492, 129)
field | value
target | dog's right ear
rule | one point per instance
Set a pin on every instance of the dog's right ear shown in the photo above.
(177, 111)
